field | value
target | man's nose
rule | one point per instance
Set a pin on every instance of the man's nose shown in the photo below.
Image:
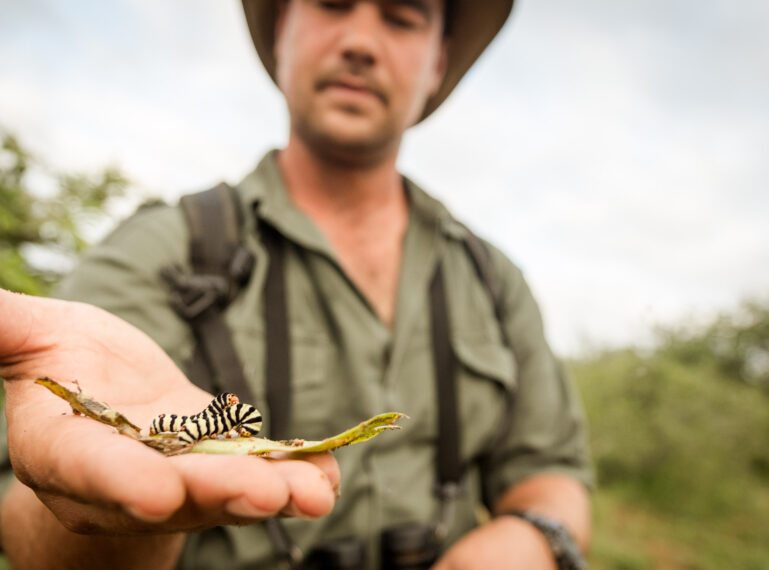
(360, 41)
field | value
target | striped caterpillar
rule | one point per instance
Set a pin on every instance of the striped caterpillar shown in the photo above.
(172, 423)
(223, 414)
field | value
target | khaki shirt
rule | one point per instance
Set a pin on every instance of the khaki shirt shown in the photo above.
(348, 366)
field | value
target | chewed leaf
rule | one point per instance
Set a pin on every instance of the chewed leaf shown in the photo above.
(259, 446)
(170, 444)
(82, 403)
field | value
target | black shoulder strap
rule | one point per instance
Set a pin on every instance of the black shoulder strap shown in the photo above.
(214, 220)
(221, 265)
(479, 254)
(444, 361)
(277, 368)
(450, 466)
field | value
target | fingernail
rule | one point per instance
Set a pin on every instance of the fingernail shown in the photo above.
(242, 507)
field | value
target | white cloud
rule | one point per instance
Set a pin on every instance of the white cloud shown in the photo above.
(615, 151)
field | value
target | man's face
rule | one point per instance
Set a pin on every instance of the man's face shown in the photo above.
(357, 73)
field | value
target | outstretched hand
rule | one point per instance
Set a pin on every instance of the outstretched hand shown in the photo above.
(96, 481)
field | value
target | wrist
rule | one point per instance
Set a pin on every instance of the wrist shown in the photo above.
(559, 541)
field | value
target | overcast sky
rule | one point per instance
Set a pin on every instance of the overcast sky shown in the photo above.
(618, 151)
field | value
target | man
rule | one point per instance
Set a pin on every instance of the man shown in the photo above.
(363, 249)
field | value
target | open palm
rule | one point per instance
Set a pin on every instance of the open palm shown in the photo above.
(95, 480)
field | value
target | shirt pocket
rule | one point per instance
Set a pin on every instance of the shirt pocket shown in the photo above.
(311, 356)
(486, 376)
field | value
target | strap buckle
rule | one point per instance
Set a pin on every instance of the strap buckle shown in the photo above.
(241, 265)
(291, 559)
(193, 294)
(447, 492)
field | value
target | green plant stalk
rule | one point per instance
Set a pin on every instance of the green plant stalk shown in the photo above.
(259, 446)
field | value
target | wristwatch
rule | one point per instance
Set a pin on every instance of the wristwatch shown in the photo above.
(564, 549)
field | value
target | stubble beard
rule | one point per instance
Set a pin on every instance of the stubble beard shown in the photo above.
(361, 150)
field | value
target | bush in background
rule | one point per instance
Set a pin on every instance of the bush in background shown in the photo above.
(42, 225)
(680, 440)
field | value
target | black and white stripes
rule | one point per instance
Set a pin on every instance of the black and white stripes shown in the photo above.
(220, 403)
(223, 414)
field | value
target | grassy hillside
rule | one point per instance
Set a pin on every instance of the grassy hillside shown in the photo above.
(680, 438)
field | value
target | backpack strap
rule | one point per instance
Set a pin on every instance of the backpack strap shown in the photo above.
(479, 255)
(450, 468)
(277, 375)
(478, 252)
(221, 266)
(277, 366)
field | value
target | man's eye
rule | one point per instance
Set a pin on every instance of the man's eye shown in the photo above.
(402, 22)
(336, 5)
(406, 17)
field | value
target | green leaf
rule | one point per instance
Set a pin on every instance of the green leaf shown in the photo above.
(169, 444)
(44, 207)
(259, 446)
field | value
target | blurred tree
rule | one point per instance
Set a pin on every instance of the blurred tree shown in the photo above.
(37, 225)
(683, 427)
(737, 343)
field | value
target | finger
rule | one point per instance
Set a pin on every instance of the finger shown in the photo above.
(89, 462)
(240, 486)
(312, 493)
(254, 488)
(329, 465)
(19, 314)
(220, 490)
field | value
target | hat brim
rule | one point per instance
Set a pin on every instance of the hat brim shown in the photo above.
(473, 26)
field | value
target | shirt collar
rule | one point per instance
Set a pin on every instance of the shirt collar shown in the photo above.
(264, 192)
(432, 211)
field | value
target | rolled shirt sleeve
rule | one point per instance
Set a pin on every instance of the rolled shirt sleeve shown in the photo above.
(548, 428)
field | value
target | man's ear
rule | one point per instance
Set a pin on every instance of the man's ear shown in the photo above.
(280, 19)
(441, 63)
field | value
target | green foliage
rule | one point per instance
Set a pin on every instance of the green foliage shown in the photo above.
(676, 435)
(52, 222)
(680, 437)
(738, 344)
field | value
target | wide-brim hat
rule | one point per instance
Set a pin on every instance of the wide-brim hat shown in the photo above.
(473, 25)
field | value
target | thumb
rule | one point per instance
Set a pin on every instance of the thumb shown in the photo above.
(21, 320)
